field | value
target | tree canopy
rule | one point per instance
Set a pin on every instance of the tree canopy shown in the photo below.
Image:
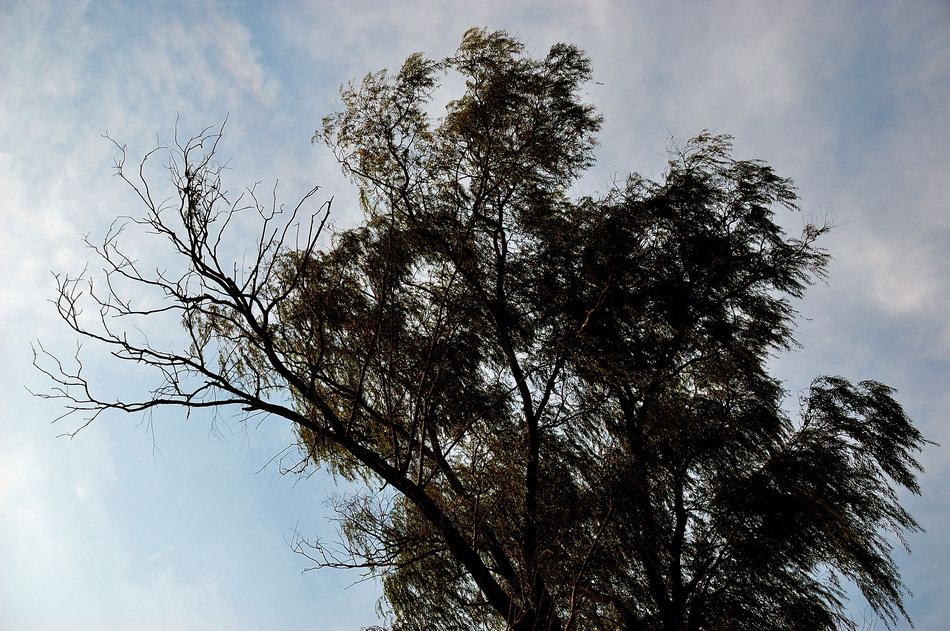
(566, 401)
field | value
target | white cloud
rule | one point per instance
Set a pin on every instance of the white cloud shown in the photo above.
(238, 56)
(201, 51)
(903, 277)
(60, 536)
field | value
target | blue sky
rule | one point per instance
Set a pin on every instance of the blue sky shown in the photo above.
(186, 526)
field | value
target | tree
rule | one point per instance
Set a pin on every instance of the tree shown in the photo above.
(566, 402)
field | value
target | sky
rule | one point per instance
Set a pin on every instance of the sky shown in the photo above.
(171, 522)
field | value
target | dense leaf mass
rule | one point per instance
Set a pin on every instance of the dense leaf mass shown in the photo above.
(561, 407)
(580, 387)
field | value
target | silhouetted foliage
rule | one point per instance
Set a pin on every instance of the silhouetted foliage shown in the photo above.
(566, 401)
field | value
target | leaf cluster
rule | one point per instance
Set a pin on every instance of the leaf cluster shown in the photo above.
(560, 409)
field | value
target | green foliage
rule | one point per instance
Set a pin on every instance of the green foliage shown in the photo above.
(560, 409)
(580, 387)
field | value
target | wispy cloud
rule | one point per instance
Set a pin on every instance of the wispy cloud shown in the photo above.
(160, 553)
